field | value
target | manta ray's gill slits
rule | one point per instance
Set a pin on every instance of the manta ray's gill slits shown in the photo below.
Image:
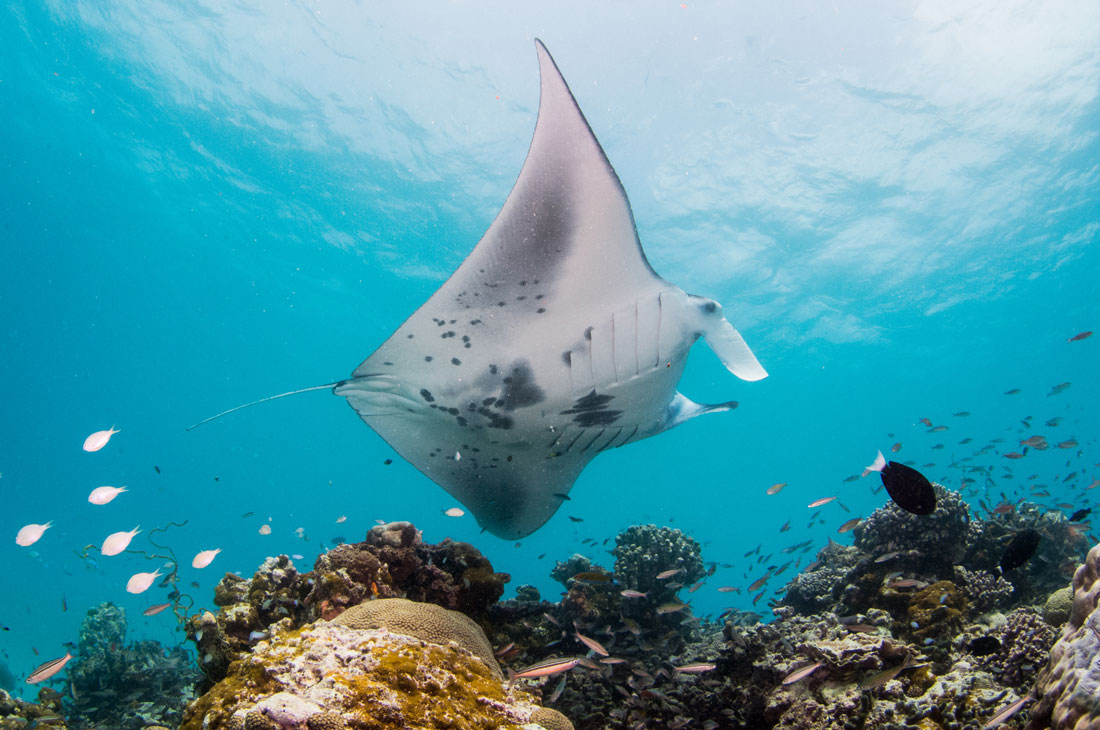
(588, 445)
(610, 440)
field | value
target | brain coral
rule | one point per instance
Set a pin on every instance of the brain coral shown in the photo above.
(1069, 686)
(551, 719)
(425, 621)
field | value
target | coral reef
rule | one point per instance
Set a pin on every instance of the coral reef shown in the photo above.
(392, 562)
(1069, 685)
(329, 675)
(890, 632)
(16, 714)
(126, 686)
(934, 542)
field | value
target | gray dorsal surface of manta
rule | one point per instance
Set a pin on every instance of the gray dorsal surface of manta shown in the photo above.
(552, 342)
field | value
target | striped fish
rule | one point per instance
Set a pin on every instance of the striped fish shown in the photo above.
(50, 668)
(548, 667)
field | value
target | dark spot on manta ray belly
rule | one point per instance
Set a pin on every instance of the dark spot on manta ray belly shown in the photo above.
(426, 395)
(591, 410)
(520, 389)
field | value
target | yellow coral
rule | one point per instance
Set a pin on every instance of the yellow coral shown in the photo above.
(424, 621)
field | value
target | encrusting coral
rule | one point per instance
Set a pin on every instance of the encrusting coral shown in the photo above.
(334, 675)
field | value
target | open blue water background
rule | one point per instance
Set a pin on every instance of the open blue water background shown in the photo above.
(204, 204)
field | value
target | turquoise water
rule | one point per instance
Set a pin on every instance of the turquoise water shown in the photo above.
(898, 208)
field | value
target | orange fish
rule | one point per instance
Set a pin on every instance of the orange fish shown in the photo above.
(154, 610)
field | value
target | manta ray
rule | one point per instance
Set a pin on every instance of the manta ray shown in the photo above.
(554, 341)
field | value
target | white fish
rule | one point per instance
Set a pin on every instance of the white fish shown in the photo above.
(30, 534)
(341, 518)
(118, 541)
(103, 495)
(140, 582)
(205, 558)
(99, 439)
(453, 512)
(265, 529)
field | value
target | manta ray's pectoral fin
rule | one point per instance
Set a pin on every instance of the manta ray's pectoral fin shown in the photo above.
(683, 409)
(727, 343)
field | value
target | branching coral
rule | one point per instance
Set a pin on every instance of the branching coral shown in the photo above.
(1025, 644)
(984, 590)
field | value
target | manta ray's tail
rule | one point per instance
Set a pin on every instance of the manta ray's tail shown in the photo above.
(264, 400)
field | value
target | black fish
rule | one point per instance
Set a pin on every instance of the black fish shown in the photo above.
(1079, 515)
(576, 519)
(909, 489)
(984, 645)
(387, 462)
(157, 468)
(1019, 550)
(561, 496)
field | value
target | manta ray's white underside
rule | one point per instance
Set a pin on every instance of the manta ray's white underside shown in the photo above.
(553, 341)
